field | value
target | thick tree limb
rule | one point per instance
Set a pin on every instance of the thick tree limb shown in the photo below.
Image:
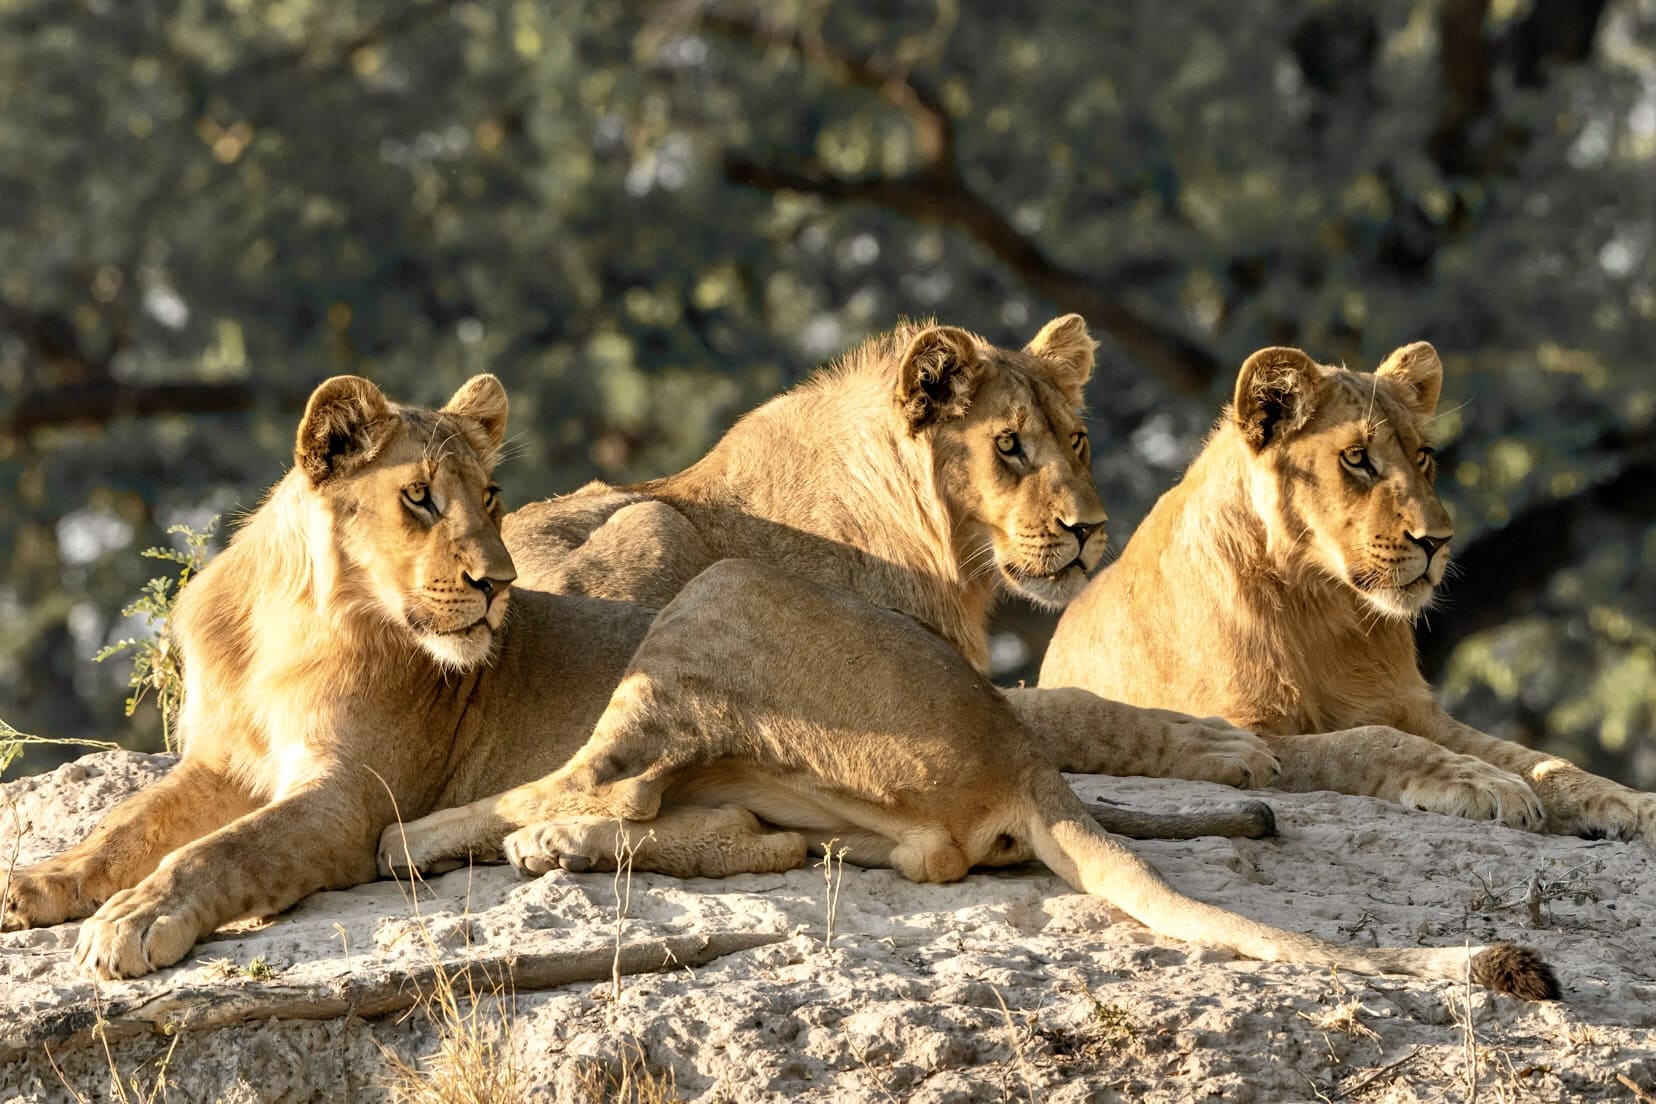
(1468, 139)
(938, 193)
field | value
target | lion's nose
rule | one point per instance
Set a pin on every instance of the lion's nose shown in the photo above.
(1081, 529)
(489, 586)
(1430, 544)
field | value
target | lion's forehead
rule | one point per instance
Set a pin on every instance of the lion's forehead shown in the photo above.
(1370, 409)
(434, 448)
(1029, 404)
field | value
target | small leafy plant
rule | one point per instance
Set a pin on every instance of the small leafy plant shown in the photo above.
(155, 662)
(13, 743)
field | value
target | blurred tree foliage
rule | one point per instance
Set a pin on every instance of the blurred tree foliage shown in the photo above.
(647, 217)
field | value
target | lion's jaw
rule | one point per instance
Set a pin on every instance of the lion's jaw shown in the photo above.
(414, 539)
(1015, 471)
(1347, 497)
(1055, 582)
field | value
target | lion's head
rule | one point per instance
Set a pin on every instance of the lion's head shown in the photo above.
(1012, 457)
(415, 516)
(1342, 470)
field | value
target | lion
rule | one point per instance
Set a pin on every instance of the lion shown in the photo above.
(1278, 583)
(349, 659)
(346, 657)
(927, 471)
(759, 693)
(374, 577)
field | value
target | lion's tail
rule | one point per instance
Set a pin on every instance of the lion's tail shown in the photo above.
(1068, 841)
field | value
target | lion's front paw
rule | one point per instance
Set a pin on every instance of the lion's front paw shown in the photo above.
(134, 933)
(1612, 812)
(1471, 788)
(1225, 754)
(579, 843)
(433, 844)
(38, 897)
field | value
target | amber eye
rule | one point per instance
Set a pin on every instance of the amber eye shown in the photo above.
(1007, 444)
(491, 497)
(1424, 458)
(1356, 457)
(418, 496)
(1078, 442)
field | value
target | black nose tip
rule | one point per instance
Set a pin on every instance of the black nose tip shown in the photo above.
(487, 585)
(1429, 545)
(1082, 529)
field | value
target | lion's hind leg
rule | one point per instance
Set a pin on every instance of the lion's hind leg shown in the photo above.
(685, 841)
(130, 842)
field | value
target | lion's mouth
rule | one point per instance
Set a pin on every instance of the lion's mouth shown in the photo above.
(1023, 575)
(424, 623)
(480, 623)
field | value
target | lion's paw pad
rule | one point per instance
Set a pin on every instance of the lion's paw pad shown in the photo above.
(130, 936)
(577, 844)
(1231, 757)
(1477, 791)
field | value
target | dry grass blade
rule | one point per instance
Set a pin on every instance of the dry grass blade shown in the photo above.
(628, 1079)
(122, 1090)
(471, 1007)
(1015, 1041)
(833, 876)
(1632, 1086)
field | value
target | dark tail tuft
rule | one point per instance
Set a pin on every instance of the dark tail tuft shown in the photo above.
(1262, 819)
(1510, 968)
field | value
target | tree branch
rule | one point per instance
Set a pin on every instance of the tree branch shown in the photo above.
(1467, 139)
(938, 193)
(1505, 569)
(96, 403)
(367, 993)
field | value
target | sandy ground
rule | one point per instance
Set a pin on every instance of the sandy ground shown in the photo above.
(1005, 986)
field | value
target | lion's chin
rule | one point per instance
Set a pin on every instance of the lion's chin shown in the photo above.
(1405, 603)
(460, 650)
(1054, 591)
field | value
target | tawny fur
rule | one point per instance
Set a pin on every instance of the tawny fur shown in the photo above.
(342, 667)
(883, 475)
(847, 723)
(345, 668)
(1276, 586)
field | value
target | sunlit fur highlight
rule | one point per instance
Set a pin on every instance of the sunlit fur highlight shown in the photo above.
(879, 473)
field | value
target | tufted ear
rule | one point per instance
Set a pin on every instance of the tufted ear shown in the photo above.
(1276, 394)
(336, 433)
(484, 398)
(1417, 368)
(1067, 344)
(938, 376)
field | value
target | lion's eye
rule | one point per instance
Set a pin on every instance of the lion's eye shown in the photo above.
(491, 497)
(1007, 444)
(1078, 442)
(418, 496)
(1424, 457)
(1356, 457)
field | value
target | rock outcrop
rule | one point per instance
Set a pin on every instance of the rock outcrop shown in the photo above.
(1006, 986)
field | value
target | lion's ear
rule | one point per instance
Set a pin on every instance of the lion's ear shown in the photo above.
(938, 376)
(484, 398)
(1419, 370)
(1067, 344)
(336, 433)
(1276, 394)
